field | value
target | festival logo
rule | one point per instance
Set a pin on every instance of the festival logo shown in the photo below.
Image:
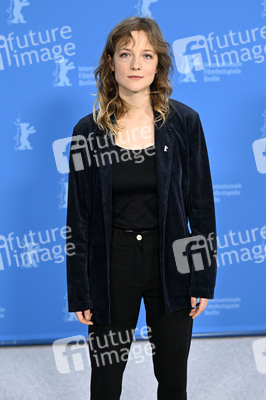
(63, 193)
(61, 71)
(143, 8)
(259, 148)
(24, 130)
(263, 12)
(2, 312)
(68, 316)
(15, 11)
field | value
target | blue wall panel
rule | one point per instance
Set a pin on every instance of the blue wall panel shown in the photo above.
(219, 59)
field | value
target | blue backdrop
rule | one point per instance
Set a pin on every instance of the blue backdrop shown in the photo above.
(219, 59)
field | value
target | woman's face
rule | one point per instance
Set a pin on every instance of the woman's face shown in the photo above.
(138, 60)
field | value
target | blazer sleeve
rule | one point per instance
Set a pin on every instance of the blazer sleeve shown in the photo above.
(201, 213)
(78, 222)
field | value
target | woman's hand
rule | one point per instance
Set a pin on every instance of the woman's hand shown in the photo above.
(201, 306)
(84, 316)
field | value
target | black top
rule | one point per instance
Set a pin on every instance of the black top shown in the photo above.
(134, 188)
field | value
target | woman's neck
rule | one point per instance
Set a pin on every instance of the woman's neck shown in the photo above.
(139, 104)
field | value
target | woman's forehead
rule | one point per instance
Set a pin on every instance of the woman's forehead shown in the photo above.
(130, 42)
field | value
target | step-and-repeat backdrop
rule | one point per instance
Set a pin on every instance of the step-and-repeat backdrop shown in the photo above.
(48, 52)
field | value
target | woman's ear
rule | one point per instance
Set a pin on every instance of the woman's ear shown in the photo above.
(110, 62)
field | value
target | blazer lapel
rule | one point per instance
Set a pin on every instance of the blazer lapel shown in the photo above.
(164, 155)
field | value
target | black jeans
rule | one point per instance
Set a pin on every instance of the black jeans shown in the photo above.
(135, 273)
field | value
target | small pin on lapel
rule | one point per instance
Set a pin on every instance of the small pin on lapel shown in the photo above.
(165, 148)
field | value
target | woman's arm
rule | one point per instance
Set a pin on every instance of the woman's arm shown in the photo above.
(79, 201)
(201, 212)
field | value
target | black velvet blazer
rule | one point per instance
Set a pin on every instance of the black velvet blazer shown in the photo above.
(184, 193)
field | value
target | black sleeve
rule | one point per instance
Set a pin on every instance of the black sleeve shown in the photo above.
(78, 220)
(201, 212)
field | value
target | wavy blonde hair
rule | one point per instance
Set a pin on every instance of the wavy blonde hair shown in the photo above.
(108, 99)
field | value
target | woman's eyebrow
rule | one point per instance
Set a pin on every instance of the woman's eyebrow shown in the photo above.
(124, 48)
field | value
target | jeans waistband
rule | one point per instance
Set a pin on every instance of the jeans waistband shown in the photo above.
(130, 234)
(136, 230)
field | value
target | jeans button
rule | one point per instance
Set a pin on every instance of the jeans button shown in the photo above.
(139, 237)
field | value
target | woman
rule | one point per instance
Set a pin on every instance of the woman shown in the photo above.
(130, 198)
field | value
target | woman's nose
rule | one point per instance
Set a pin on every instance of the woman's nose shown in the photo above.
(135, 63)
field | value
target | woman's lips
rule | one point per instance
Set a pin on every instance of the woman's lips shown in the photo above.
(135, 77)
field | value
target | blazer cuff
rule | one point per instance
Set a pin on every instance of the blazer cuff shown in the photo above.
(80, 306)
(206, 293)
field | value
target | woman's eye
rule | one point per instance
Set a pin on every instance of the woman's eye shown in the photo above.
(148, 56)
